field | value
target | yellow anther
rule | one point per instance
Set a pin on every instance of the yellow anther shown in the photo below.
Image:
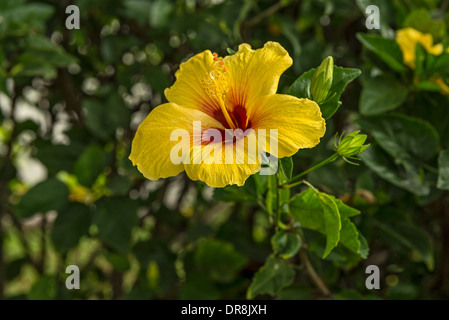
(215, 83)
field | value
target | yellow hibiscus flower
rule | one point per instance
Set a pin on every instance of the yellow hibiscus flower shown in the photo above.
(237, 92)
(407, 40)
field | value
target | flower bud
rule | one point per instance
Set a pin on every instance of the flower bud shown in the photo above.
(351, 145)
(322, 80)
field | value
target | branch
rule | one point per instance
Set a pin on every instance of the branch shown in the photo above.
(443, 9)
(23, 240)
(312, 273)
(117, 284)
(43, 244)
(264, 14)
(2, 262)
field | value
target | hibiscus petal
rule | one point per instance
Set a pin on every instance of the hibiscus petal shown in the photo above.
(151, 146)
(188, 89)
(407, 40)
(255, 73)
(298, 121)
(234, 169)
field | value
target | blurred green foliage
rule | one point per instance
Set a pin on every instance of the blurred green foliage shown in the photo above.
(71, 101)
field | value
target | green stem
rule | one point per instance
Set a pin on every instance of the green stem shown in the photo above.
(311, 186)
(279, 223)
(278, 213)
(268, 12)
(319, 283)
(319, 165)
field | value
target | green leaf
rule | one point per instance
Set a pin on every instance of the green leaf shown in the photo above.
(341, 77)
(50, 194)
(14, 268)
(119, 261)
(71, 224)
(119, 185)
(230, 51)
(428, 86)
(409, 141)
(286, 244)
(404, 176)
(160, 13)
(349, 236)
(421, 57)
(260, 182)
(413, 238)
(345, 210)
(198, 287)
(318, 212)
(330, 177)
(332, 222)
(307, 210)
(103, 118)
(157, 251)
(443, 170)
(387, 49)
(440, 65)
(404, 138)
(301, 87)
(137, 10)
(286, 169)
(26, 125)
(23, 17)
(40, 58)
(364, 248)
(90, 164)
(403, 291)
(329, 216)
(115, 219)
(219, 260)
(270, 200)
(295, 292)
(41, 49)
(140, 289)
(57, 157)
(157, 79)
(113, 47)
(43, 289)
(3, 77)
(275, 275)
(235, 193)
(421, 20)
(352, 294)
(30, 67)
(381, 94)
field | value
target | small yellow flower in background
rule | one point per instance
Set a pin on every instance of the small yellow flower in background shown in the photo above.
(235, 92)
(407, 40)
(78, 192)
(83, 194)
(439, 81)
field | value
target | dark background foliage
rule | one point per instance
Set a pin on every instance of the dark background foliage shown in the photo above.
(70, 104)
